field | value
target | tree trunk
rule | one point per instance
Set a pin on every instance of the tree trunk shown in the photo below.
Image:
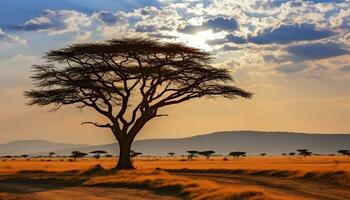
(124, 161)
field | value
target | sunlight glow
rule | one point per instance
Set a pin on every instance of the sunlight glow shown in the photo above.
(199, 39)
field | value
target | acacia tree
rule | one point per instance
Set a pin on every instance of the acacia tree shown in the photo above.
(206, 153)
(237, 154)
(128, 81)
(171, 154)
(97, 153)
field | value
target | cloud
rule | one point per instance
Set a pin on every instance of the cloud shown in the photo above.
(325, 1)
(215, 24)
(291, 33)
(284, 34)
(345, 69)
(10, 39)
(235, 39)
(292, 68)
(316, 51)
(106, 17)
(57, 22)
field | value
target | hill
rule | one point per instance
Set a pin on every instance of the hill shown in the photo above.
(34, 146)
(253, 142)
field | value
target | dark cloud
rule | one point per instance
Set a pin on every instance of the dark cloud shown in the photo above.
(215, 24)
(55, 21)
(316, 51)
(325, 1)
(107, 17)
(290, 33)
(283, 35)
(235, 39)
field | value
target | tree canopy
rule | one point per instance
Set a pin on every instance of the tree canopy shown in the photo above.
(128, 81)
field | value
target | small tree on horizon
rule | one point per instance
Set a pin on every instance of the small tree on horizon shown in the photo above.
(262, 154)
(51, 154)
(291, 153)
(128, 81)
(77, 154)
(191, 154)
(344, 152)
(206, 153)
(171, 154)
(134, 154)
(237, 154)
(304, 152)
(97, 153)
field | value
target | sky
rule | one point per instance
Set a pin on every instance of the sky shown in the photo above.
(294, 55)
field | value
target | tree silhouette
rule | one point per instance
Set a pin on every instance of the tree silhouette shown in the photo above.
(191, 154)
(128, 81)
(77, 154)
(206, 153)
(237, 154)
(24, 156)
(134, 154)
(344, 152)
(291, 153)
(171, 154)
(304, 152)
(262, 154)
(51, 154)
(97, 153)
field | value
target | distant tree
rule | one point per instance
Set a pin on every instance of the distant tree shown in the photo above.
(134, 154)
(206, 153)
(51, 154)
(97, 153)
(344, 152)
(237, 154)
(108, 156)
(283, 154)
(191, 154)
(77, 154)
(304, 152)
(262, 154)
(128, 81)
(291, 153)
(24, 156)
(171, 154)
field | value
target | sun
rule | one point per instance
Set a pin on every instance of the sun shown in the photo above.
(198, 40)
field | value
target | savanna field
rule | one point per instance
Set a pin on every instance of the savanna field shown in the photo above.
(280, 177)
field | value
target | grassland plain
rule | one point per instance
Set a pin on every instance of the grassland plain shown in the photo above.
(317, 177)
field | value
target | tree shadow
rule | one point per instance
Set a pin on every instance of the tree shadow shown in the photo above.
(37, 181)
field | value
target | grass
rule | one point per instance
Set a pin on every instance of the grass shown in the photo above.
(335, 170)
(164, 183)
(315, 163)
(340, 178)
(153, 180)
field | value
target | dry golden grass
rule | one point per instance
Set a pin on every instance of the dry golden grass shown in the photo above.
(163, 182)
(328, 169)
(317, 163)
(333, 169)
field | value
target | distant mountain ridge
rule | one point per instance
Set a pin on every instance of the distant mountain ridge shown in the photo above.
(20, 147)
(253, 142)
